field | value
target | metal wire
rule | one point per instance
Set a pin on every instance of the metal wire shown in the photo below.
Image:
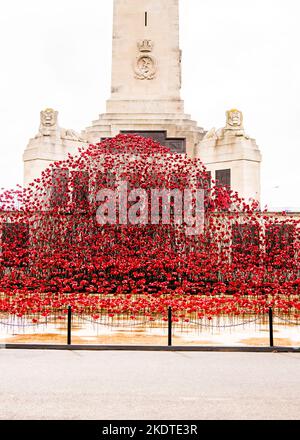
(137, 324)
(287, 320)
(38, 324)
(224, 325)
(107, 324)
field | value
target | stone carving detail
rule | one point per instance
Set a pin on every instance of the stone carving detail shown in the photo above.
(235, 124)
(145, 45)
(145, 64)
(234, 127)
(71, 135)
(234, 119)
(211, 134)
(48, 121)
(145, 67)
(49, 127)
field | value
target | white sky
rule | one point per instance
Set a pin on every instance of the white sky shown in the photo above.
(236, 53)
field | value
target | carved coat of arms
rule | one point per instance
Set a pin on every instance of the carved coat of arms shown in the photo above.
(145, 64)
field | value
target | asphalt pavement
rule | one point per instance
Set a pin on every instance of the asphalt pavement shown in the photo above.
(148, 385)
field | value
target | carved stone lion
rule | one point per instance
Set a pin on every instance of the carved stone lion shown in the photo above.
(72, 135)
(234, 124)
(49, 127)
(234, 119)
(234, 127)
(48, 122)
(48, 117)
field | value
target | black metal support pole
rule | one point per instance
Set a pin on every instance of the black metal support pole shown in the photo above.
(69, 325)
(170, 326)
(271, 327)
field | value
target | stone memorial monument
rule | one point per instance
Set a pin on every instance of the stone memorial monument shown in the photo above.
(145, 99)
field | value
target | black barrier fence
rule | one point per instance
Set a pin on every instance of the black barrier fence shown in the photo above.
(69, 337)
(271, 327)
(170, 326)
(69, 326)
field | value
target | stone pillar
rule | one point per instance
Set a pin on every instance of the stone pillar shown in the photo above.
(146, 61)
(146, 74)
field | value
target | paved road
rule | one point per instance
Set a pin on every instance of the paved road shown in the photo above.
(133, 385)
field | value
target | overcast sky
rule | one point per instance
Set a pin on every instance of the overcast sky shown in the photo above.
(236, 53)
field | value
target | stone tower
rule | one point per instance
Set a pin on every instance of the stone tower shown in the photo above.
(146, 77)
(232, 157)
